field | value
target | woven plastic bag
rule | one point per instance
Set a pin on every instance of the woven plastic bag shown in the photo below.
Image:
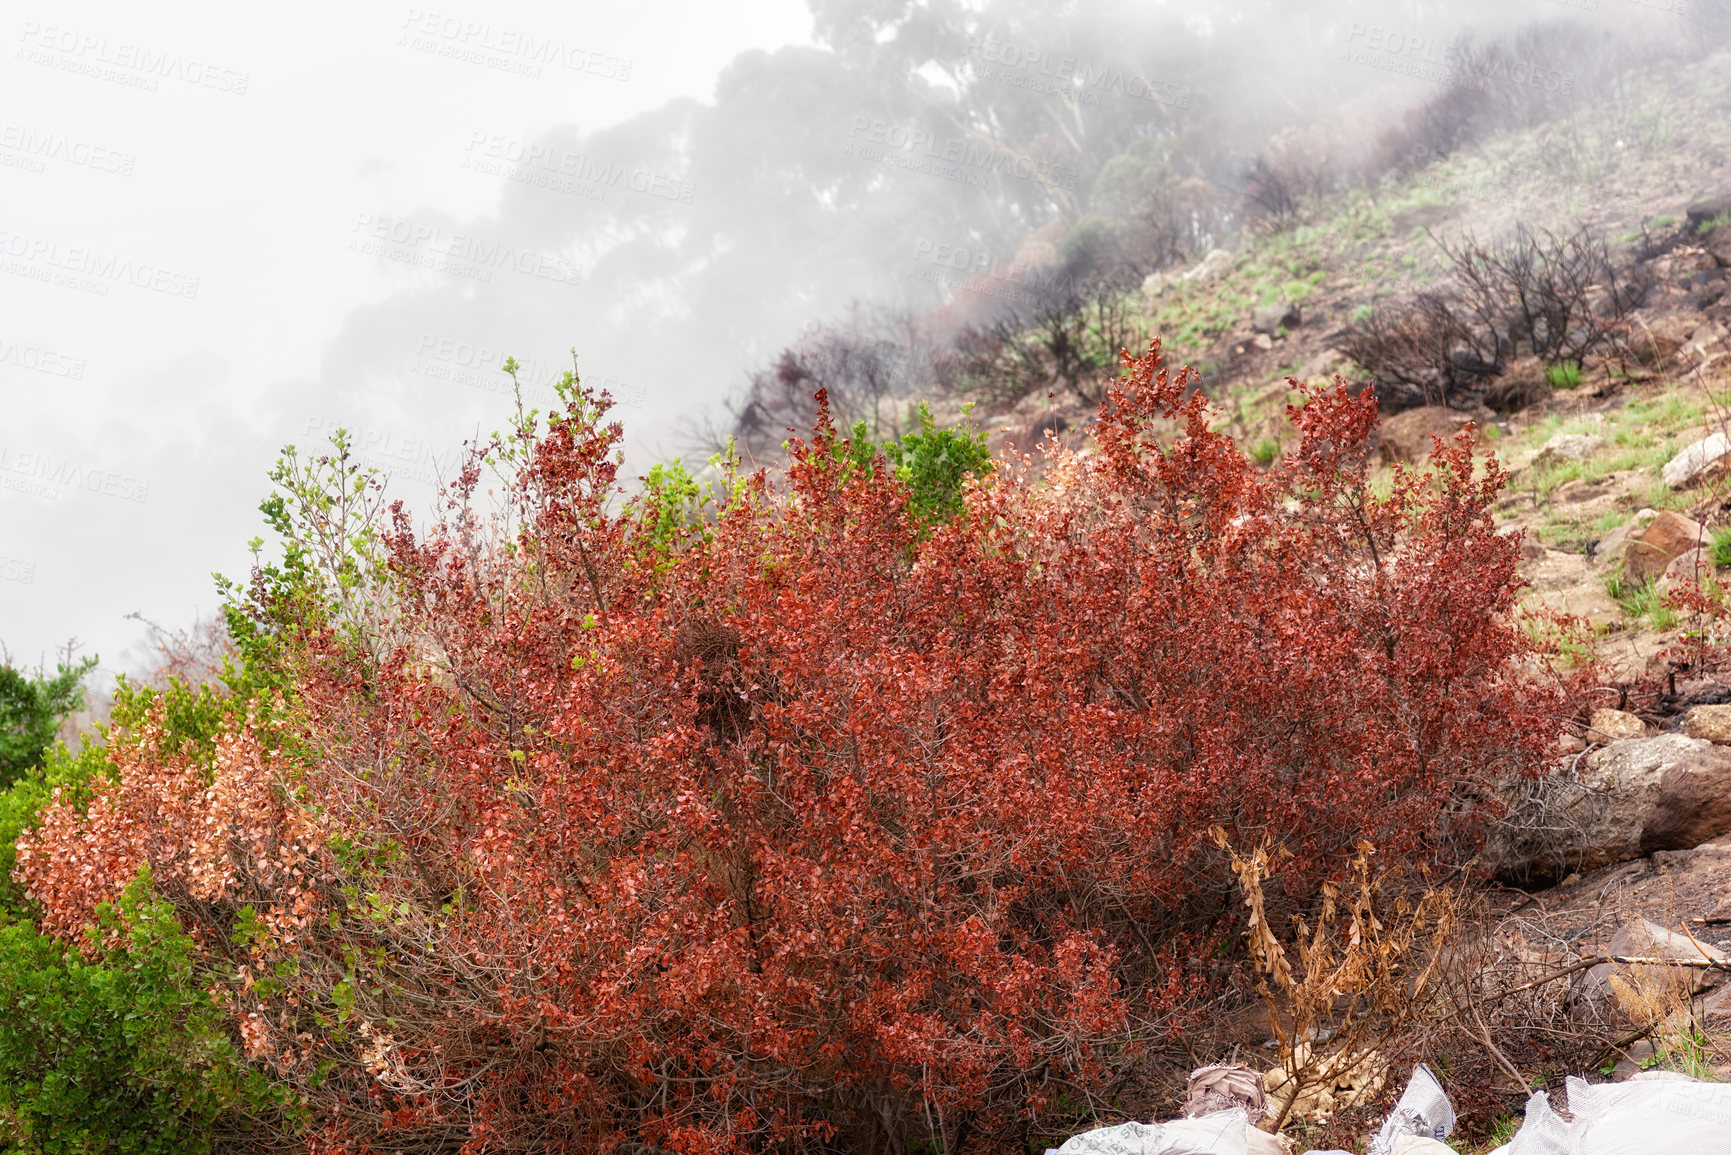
(1423, 1110)
(1221, 1133)
(1643, 1117)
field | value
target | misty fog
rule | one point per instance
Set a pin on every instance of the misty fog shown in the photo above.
(224, 231)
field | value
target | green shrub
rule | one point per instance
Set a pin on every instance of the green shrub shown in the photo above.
(31, 709)
(126, 1053)
(1566, 375)
(1265, 451)
(123, 1051)
(933, 463)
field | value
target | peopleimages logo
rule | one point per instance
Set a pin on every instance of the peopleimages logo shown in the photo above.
(474, 365)
(562, 170)
(26, 148)
(1422, 57)
(18, 570)
(121, 61)
(403, 458)
(38, 473)
(961, 269)
(462, 254)
(1068, 74)
(504, 49)
(40, 360)
(953, 158)
(88, 270)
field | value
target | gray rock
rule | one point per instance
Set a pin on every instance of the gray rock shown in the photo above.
(1565, 447)
(1643, 939)
(1705, 210)
(1631, 798)
(1272, 318)
(1694, 461)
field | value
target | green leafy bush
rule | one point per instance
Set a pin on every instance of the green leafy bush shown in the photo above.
(126, 1053)
(119, 1049)
(31, 709)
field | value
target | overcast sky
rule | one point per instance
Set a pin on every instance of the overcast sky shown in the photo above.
(225, 229)
(187, 197)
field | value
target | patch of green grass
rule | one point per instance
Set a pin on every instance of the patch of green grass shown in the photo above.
(1265, 451)
(1719, 547)
(1661, 497)
(1363, 313)
(1689, 1051)
(1606, 522)
(1662, 222)
(1564, 376)
(1712, 223)
(1642, 601)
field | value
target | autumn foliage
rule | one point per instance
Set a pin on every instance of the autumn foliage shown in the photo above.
(813, 827)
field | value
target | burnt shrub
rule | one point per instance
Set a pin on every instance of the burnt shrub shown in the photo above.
(1559, 297)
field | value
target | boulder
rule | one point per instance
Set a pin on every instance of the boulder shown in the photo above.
(1579, 490)
(1407, 435)
(1704, 210)
(1710, 722)
(1695, 461)
(1650, 551)
(1631, 798)
(1321, 365)
(1610, 549)
(1567, 584)
(1692, 565)
(1718, 243)
(1210, 266)
(1655, 342)
(1709, 336)
(1566, 447)
(1630, 984)
(1522, 385)
(1283, 314)
(1612, 725)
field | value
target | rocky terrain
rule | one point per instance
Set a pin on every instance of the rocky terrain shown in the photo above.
(1618, 481)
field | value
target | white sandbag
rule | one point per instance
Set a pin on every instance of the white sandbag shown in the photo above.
(1648, 1117)
(1419, 1145)
(1222, 1133)
(1424, 1111)
(1542, 1132)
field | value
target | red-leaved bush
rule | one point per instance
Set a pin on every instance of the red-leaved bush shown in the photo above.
(811, 829)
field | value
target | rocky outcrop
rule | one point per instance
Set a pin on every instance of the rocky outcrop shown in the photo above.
(1628, 984)
(1406, 437)
(1566, 447)
(1656, 341)
(1613, 725)
(1629, 799)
